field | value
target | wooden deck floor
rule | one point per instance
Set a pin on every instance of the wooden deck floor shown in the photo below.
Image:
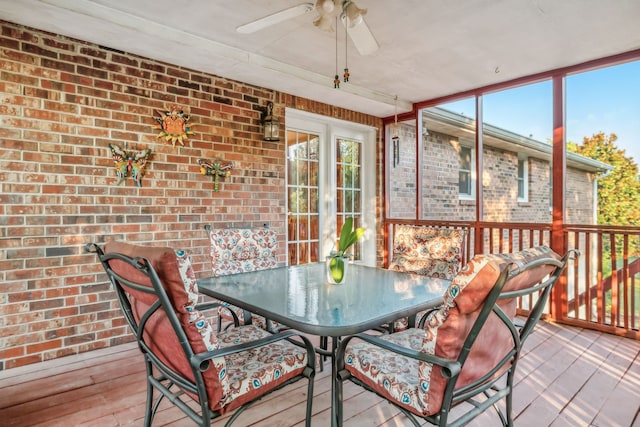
(567, 377)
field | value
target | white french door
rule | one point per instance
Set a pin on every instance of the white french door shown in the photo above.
(330, 176)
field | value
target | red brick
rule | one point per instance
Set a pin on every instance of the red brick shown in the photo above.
(58, 106)
(22, 361)
(43, 346)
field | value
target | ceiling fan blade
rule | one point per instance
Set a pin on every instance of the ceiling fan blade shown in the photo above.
(275, 18)
(362, 37)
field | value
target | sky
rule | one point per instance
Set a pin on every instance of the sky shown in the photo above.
(606, 100)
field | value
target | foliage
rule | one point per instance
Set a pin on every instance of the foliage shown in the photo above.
(618, 191)
(348, 236)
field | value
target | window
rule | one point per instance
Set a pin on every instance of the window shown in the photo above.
(466, 172)
(523, 179)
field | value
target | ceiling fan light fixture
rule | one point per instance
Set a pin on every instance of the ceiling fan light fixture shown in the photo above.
(353, 14)
(326, 5)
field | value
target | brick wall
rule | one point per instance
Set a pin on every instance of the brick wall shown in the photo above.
(63, 102)
(402, 176)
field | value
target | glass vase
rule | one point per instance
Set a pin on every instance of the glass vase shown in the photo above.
(337, 269)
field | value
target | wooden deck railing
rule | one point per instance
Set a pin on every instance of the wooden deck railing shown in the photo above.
(601, 290)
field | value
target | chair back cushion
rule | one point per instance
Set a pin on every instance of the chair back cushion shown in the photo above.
(447, 328)
(238, 250)
(429, 251)
(178, 279)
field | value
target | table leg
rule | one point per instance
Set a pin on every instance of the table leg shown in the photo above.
(336, 418)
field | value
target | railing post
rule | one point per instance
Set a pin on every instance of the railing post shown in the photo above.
(558, 238)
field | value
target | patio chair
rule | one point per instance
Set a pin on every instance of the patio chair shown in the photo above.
(185, 359)
(465, 355)
(427, 251)
(239, 250)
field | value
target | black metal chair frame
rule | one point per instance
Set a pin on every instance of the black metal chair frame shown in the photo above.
(492, 390)
(162, 377)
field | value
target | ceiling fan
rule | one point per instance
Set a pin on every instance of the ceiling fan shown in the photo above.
(351, 16)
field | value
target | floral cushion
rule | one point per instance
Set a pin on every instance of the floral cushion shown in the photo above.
(429, 251)
(252, 372)
(392, 375)
(421, 391)
(239, 250)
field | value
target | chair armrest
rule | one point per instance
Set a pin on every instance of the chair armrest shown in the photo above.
(425, 315)
(202, 362)
(215, 304)
(208, 305)
(451, 367)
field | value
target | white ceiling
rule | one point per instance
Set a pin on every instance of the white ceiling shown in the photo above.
(428, 48)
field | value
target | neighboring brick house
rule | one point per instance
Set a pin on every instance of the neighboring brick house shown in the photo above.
(510, 193)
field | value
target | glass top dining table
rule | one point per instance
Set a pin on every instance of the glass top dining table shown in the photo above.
(301, 298)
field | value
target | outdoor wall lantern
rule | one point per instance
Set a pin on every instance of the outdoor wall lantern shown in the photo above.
(271, 125)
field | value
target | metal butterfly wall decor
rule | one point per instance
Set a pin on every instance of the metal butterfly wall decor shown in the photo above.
(129, 163)
(216, 168)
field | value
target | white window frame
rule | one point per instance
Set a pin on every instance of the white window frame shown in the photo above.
(524, 178)
(328, 130)
(472, 173)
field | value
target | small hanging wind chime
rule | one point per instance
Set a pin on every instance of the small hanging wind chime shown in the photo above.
(395, 139)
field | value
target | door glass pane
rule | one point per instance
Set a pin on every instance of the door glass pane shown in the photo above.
(348, 170)
(302, 189)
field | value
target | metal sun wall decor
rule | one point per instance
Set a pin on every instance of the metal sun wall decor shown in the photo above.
(129, 163)
(173, 124)
(216, 168)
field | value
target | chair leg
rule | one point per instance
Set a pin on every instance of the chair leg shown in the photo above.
(307, 422)
(148, 409)
(509, 407)
(338, 385)
(322, 352)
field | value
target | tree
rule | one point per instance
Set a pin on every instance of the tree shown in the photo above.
(619, 190)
